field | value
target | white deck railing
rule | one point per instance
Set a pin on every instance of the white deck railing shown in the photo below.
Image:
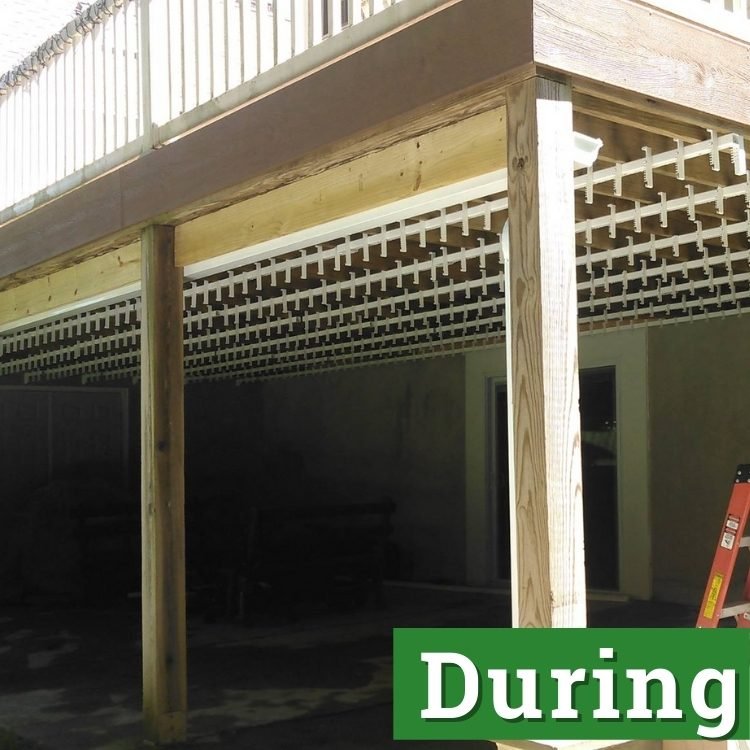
(730, 17)
(731, 6)
(144, 71)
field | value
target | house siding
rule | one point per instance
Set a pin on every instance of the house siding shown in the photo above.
(392, 431)
(699, 401)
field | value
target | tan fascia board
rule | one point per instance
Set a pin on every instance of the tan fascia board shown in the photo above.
(648, 52)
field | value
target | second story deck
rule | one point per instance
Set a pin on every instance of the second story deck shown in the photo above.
(143, 110)
(128, 76)
(340, 200)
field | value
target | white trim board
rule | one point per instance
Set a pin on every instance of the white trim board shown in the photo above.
(79, 306)
(432, 200)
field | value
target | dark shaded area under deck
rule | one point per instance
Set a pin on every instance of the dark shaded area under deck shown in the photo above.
(70, 677)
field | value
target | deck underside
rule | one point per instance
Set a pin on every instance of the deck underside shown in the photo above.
(661, 236)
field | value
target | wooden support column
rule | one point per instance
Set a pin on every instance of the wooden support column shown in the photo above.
(162, 489)
(548, 586)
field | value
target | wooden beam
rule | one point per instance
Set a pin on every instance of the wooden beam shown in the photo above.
(162, 490)
(409, 168)
(650, 120)
(280, 131)
(71, 287)
(458, 152)
(549, 586)
(644, 50)
(616, 96)
(625, 143)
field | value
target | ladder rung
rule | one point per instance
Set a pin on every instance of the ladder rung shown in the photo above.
(737, 608)
(745, 541)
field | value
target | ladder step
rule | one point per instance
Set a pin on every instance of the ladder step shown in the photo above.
(737, 608)
(745, 541)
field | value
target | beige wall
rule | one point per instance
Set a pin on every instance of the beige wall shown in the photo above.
(699, 383)
(391, 430)
(626, 350)
(417, 432)
(683, 400)
(394, 430)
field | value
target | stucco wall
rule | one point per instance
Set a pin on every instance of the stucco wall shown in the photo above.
(699, 383)
(394, 430)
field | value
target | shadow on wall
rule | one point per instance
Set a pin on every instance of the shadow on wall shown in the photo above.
(359, 435)
(284, 540)
(76, 538)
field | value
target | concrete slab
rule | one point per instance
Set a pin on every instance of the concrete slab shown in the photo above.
(70, 678)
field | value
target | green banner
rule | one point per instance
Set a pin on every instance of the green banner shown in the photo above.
(634, 683)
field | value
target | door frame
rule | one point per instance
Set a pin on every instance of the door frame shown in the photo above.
(627, 351)
(496, 384)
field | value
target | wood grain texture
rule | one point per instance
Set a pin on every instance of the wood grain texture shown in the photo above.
(93, 277)
(550, 588)
(162, 490)
(636, 47)
(681, 115)
(649, 120)
(447, 155)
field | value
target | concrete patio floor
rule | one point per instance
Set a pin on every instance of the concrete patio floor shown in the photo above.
(70, 677)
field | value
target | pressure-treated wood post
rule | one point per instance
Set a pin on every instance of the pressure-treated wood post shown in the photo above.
(162, 489)
(549, 586)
